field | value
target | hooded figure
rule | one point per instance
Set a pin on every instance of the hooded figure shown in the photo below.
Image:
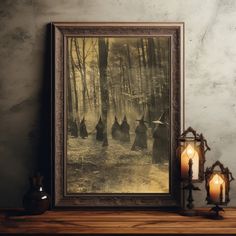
(82, 129)
(115, 130)
(160, 143)
(124, 127)
(74, 129)
(100, 130)
(140, 141)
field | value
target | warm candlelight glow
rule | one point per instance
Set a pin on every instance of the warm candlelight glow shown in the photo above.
(217, 189)
(189, 153)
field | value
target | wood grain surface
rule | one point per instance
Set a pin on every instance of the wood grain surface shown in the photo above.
(115, 222)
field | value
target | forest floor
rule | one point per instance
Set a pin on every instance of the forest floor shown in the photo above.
(92, 168)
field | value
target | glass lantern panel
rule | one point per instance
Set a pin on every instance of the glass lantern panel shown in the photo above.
(189, 152)
(217, 188)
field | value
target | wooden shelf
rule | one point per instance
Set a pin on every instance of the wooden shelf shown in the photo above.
(115, 222)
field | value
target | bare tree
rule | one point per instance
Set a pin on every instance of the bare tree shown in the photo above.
(80, 64)
(103, 58)
(74, 80)
(69, 89)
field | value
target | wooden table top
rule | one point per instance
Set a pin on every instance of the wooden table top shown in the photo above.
(115, 222)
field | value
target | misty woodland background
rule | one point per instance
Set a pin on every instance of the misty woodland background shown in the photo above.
(127, 78)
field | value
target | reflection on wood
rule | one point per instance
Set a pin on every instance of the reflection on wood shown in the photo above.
(115, 222)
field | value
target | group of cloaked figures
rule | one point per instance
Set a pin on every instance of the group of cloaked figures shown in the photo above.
(121, 132)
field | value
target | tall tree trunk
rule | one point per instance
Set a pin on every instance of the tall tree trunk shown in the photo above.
(130, 73)
(94, 89)
(81, 66)
(112, 96)
(69, 89)
(103, 56)
(130, 78)
(140, 78)
(80, 69)
(121, 99)
(159, 56)
(74, 82)
(75, 89)
(85, 89)
(151, 67)
(159, 70)
(140, 69)
(166, 74)
(146, 84)
(143, 53)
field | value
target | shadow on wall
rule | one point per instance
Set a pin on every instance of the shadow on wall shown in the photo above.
(40, 137)
(45, 150)
(25, 113)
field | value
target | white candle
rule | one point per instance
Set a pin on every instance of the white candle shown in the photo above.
(189, 153)
(216, 186)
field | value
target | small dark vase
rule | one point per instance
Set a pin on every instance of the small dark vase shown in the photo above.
(36, 201)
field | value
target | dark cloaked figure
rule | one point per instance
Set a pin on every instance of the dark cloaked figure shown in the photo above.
(100, 130)
(124, 128)
(74, 128)
(160, 143)
(82, 129)
(140, 141)
(115, 130)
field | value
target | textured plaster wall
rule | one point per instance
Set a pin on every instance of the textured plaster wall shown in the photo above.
(210, 69)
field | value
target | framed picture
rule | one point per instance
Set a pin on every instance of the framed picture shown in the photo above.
(118, 111)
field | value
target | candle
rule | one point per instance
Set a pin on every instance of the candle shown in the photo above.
(189, 153)
(217, 189)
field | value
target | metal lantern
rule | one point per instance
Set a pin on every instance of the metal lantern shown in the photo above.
(218, 180)
(192, 146)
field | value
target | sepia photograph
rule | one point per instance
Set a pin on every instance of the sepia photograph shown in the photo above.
(118, 114)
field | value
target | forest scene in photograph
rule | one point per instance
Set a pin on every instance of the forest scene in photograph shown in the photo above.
(118, 114)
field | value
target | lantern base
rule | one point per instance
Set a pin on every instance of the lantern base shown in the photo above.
(189, 212)
(216, 213)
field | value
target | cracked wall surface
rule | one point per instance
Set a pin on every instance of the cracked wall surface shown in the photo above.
(210, 71)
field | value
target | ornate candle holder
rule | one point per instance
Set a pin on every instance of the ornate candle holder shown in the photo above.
(190, 187)
(217, 183)
(191, 152)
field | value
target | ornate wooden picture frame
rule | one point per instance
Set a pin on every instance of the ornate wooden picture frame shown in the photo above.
(118, 113)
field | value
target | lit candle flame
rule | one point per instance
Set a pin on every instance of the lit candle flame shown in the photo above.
(190, 151)
(218, 179)
(217, 189)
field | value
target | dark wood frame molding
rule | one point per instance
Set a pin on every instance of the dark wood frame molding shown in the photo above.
(60, 31)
